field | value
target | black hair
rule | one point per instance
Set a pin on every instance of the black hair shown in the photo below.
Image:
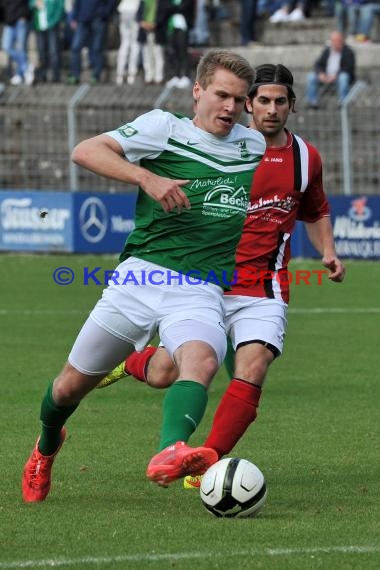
(270, 74)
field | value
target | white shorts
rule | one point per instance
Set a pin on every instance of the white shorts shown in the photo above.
(96, 351)
(255, 318)
(133, 308)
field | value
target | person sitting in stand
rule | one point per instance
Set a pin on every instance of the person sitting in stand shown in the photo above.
(335, 66)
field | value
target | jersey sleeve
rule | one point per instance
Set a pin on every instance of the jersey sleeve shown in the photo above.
(314, 204)
(145, 137)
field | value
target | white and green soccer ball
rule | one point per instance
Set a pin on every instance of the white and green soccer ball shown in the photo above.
(233, 487)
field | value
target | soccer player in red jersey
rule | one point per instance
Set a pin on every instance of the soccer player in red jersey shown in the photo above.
(287, 187)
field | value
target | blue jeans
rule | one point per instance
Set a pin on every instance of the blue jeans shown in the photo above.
(347, 18)
(49, 53)
(91, 34)
(342, 85)
(367, 17)
(200, 33)
(247, 21)
(14, 44)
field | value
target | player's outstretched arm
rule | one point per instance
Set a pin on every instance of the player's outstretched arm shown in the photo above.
(104, 156)
(321, 235)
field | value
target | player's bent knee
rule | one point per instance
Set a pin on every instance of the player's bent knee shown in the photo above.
(254, 373)
(161, 371)
(162, 378)
(71, 386)
(202, 371)
(210, 366)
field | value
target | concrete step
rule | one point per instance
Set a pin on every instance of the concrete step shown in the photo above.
(314, 30)
(294, 57)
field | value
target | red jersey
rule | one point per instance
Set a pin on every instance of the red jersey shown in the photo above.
(287, 186)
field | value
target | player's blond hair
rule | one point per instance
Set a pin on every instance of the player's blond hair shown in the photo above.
(223, 59)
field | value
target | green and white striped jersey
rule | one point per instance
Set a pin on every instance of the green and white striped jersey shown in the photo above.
(204, 238)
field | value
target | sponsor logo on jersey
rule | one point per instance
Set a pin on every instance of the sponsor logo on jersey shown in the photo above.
(225, 201)
(276, 159)
(127, 131)
(206, 183)
(286, 204)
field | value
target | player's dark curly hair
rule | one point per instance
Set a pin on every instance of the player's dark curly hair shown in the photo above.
(269, 74)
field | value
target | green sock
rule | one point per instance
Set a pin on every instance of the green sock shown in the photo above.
(184, 405)
(53, 418)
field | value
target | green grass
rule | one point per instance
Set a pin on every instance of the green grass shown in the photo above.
(316, 440)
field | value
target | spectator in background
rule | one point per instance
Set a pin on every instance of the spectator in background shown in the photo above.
(248, 14)
(89, 22)
(288, 12)
(68, 32)
(175, 18)
(129, 48)
(367, 15)
(15, 40)
(347, 17)
(335, 66)
(47, 16)
(152, 41)
(328, 8)
(200, 33)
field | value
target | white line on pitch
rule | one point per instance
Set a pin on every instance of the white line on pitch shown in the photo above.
(54, 563)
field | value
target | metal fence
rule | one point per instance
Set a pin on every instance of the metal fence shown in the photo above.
(39, 127)
(348, 139)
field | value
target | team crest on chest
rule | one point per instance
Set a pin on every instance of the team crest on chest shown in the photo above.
(244, 152)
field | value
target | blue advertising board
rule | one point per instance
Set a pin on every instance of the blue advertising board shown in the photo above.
(102, 222)
(356, 225)
(83, 222)
(24, 228)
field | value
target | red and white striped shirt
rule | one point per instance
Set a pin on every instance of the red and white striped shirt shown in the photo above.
(287, 186)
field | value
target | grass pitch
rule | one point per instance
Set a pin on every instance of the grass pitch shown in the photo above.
(316, 440)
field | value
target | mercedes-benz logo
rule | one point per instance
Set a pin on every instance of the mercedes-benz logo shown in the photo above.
(93, 219)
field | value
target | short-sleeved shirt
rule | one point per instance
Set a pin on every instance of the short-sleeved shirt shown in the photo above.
(202, 240)
(287, 186)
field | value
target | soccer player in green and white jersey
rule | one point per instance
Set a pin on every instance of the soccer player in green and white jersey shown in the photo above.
(194, 178)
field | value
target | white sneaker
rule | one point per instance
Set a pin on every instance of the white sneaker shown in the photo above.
(279, 16)
(29, 75)
(173, 82)
(131, 79)
(183, 83)
(296, 16)
(16, 80)
(119, 80)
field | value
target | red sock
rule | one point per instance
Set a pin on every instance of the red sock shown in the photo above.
(236, 411)
(137, 363)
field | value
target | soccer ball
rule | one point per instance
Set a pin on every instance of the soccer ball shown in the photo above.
(233, 487)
